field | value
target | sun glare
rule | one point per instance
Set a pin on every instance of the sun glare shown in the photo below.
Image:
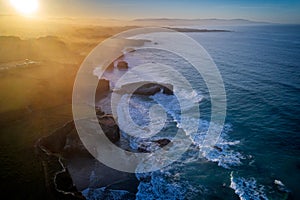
(25, 7)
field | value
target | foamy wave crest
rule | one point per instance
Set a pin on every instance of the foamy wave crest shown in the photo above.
(247, 188)
(152, 71)
(138, 108)
(171, 104)
(107, 194)
(167, 184)
(221, 153)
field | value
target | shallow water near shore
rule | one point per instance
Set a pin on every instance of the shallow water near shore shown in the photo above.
(260, 140)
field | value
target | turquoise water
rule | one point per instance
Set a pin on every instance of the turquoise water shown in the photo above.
(258, 154)
(261, 71)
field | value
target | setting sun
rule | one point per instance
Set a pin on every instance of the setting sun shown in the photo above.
(26, 7)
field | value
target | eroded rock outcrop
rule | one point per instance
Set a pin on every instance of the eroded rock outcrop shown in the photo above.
(109, 127)
(110, 67)
(65, 143)
(162, 142)
(122, 65)
(51, 150)
(153, 88)
(103, 86)
(147, 88)
(151, 146)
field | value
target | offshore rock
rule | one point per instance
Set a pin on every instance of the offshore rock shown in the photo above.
(122, 65)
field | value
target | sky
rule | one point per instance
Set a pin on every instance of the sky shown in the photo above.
(280, 11)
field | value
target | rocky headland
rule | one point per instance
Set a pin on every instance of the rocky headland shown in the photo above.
(69, 167)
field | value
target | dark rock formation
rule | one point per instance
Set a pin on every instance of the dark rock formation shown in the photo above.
(73, 144)
(99, 112)
(65, 143)
(64, 182)
(283, 189)
(110, 67)
(129, 50)
(162, 142)
(103, 86)
(57, 140)
(50, 150)
(66, 140)
(153, 88)
(122, 65)
(109, 127)
(148, 89)
(168, 90)
(217, 148)
(143, 148)
(151, 146)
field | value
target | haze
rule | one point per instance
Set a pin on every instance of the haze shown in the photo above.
(278, 11)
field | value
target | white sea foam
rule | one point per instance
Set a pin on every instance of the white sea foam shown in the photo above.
(160, 185)
(278, 182)
(247, 188)
(173, 108)
(106, 194)
(281, 187)
(167, 183)
(222, 153)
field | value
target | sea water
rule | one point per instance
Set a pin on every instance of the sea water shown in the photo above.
(259, 146)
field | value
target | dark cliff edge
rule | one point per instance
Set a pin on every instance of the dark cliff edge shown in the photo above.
(62, 151)
(62, 145)
(50, 150)
(63, 156)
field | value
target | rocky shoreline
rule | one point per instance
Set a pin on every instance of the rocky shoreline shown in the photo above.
(62, 152)
(57, 178)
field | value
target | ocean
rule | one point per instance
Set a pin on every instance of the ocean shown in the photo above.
(258, 153)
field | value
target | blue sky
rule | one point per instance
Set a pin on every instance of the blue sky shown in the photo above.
(285, 11)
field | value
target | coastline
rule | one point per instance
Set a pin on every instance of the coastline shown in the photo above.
(103, 102)
(68, 166)
(76, 163)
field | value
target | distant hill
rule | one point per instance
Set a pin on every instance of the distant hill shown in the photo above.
(185, 22)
